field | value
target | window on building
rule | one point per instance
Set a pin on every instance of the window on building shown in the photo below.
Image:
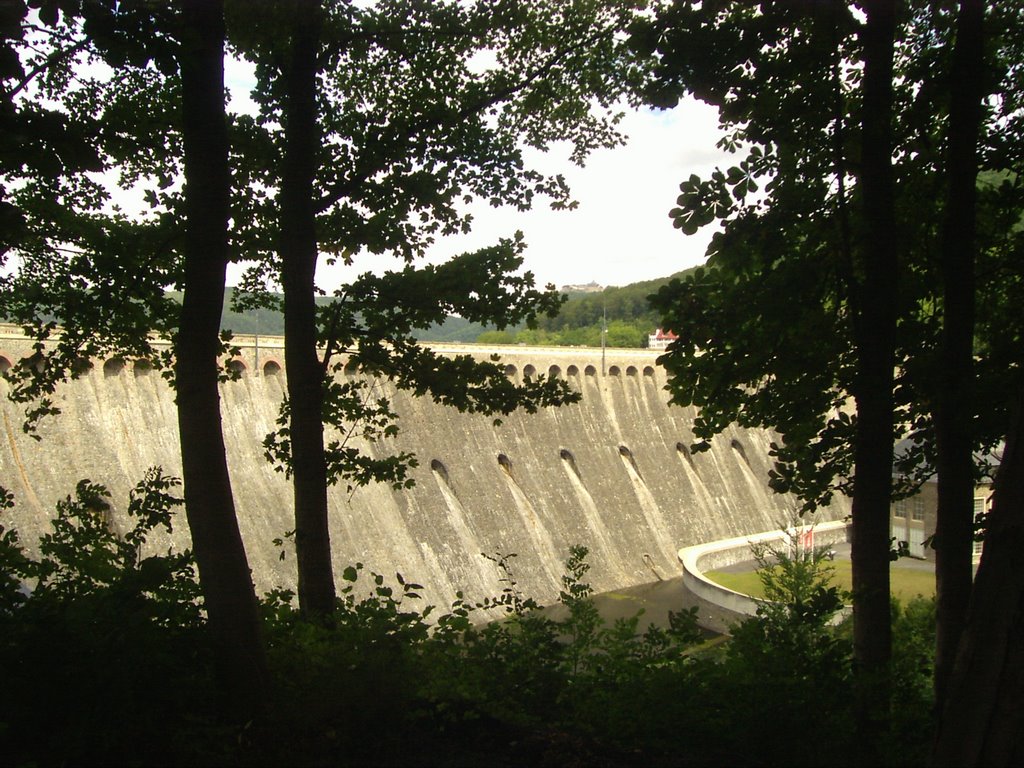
(917, 510)
(979, 506)
(899, 508)
(915, 542)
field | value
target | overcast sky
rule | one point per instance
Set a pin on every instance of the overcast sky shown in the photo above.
(619, 234)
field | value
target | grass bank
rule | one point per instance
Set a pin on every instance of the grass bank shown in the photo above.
(907, 581)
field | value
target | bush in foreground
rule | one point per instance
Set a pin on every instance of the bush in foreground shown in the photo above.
(105, 658)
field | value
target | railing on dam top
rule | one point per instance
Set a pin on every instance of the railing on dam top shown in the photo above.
(265, 354)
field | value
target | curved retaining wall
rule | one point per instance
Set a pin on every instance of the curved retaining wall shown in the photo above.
(720, 554)
(611, 473)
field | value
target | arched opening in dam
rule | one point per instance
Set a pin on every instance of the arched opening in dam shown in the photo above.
(627, 456)
(236, 367)
(271, 368)
(5, 365)
(737, 446)
(554, 372)
(438, 468)
(511, 371)
(649, 370)
(590, 371)
(572, 371)
(614, 370)
(142, 368)
(566, 455)
(631, 371)
(529, 372)
(505, 463)
(113, 367)
(81, 366)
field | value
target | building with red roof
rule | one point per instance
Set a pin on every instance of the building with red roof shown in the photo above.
(660, 339)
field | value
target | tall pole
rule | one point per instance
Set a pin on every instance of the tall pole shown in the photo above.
(604, 335)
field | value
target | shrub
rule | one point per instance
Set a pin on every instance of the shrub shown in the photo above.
(108, 642)
(789, 661)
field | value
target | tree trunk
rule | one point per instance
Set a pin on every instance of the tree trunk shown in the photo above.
(298, 249)
(220, 555)
(983, 721)
(875, 327)
(954, 528)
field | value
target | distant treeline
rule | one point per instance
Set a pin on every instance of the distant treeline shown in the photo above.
(270, 322)
(628, 314)
(626, 310)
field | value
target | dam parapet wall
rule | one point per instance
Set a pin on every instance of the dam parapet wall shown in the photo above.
(709, 556)
(612, 472)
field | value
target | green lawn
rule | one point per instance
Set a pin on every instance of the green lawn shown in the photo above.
(906, 582)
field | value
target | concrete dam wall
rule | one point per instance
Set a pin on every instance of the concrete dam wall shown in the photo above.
(611, 473)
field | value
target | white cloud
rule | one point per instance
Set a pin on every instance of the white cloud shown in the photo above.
(621, 232)
(240, 80)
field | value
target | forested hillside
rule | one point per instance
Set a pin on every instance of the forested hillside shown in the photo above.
(270, 322)
(629, 316)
